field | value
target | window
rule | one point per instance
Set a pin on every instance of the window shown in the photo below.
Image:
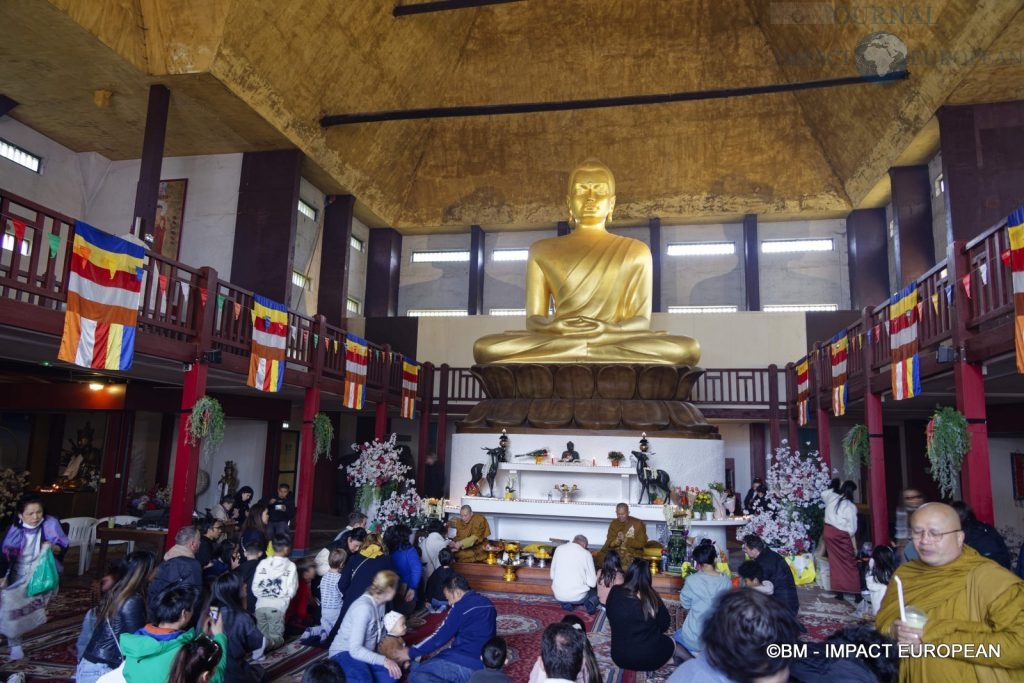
(26, 245)
(797, 308)
(437, 312)
(299, 280)
(307, 210)
(939, 185)
(441, 256)
(354, 306)
(702, 309)
(795, 246)
(506, 311)
(20, 156)
(701, 248)
(510, 255)
(356, 243)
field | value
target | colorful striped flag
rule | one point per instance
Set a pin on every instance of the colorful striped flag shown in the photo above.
(357, 357)
(803, 391)
(410, 383)
(1015, 227)
(104, 288)
(839, 348)
(903, 344)
(269, 333)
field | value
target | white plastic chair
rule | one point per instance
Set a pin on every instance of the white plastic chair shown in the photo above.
(121, 520)
(81, 535)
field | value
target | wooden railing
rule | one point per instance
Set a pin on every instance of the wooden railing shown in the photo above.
(31, 271)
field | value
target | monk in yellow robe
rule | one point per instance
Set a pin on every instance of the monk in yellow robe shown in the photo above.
(600, 285)
(970, 601)
(471, 532)
(626, 535)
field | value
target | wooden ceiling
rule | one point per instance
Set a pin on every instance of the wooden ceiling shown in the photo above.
(249, 75)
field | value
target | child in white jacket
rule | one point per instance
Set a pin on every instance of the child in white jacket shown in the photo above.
(274, 585)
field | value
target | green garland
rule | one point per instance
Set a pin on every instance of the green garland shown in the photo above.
(857, 449)
(948, 443)
(323, 435)
(205, 425)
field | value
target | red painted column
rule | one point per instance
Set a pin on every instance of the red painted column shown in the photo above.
(186, 458)
(306, 472)
(876, 470)
(380, 424)
(976, 478)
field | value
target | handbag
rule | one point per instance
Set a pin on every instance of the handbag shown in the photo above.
(44, 578)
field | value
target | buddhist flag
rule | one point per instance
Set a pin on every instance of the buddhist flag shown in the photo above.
(803, 391)
(838, 349)
(903, 344)
(410, 384)
(357, 357)
(1015, 228)
(103, 300)
(269, 331)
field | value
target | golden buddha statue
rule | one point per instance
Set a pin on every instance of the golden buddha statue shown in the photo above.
(600, 284)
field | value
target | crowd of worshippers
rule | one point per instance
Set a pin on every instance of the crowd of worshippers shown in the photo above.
(212, 609)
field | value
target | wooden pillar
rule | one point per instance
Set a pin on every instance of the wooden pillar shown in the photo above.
(792, 426)
(268, 198)
(442, 416)
(148, 187)
(751, 270)
(773, 406)
(980, 146)
(426, 391)
(913, 238)
(186, 466)
(757, 450)
(654, 229)
(383, 268)
(272, 458)
(822, 407)
(306, 470)
(867, 243)
(336, 242)
(475, 305)
(116, 462)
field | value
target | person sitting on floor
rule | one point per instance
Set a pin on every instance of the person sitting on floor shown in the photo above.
(626, 535)
(493, 656)
(752, 576)
(775, 570)
(434, 592)
(561, 654)
(609, 575)
(638, 619)
(392, 645)
(698, 596)
(471, 530)
(573, 577)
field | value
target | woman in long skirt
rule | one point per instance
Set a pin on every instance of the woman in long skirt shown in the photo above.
(23, 547)
(841, 539)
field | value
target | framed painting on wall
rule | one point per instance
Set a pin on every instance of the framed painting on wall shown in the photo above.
(170, 214)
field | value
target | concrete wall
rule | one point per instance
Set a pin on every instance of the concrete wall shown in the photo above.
(307, 252)
(433, 285)
(505, 281)
(703, 280)
(59, 184)
(940, 219)
(1008, 512)
(357, 266)
(808, 277)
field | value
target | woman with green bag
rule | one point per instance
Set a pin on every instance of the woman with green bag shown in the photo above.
(34, 539)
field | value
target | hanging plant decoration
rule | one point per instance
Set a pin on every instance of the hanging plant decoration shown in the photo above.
(948, 443)
(323, 435)
(205, 425)
(857, 449)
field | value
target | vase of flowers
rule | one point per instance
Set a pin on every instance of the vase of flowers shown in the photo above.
(702, 505)
(566, 491)
(616, 457)
(717, 491)
(378, 474)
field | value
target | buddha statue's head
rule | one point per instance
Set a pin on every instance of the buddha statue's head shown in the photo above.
(591, 195)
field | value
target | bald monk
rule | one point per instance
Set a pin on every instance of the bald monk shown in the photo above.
(601, 287)
(471, 532)
(626, 535)
(969, 600)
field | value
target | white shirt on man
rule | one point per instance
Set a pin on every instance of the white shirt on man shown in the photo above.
(572, 573)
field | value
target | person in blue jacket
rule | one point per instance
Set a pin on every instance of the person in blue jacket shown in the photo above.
(471, 622)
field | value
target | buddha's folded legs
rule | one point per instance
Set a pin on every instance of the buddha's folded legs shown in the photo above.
(528, 347)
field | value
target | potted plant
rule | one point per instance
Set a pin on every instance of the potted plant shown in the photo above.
(323, 435)
(616, 457)
(857, 449)
(702, 504)
(205, 424)
(948, 443)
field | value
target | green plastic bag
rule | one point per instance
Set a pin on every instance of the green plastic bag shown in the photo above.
(44, 578)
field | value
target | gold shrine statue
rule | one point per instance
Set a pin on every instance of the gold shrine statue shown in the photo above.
(601, 287)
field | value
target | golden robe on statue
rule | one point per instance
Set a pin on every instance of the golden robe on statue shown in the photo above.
(634, 538)
(970, 601)
(471, 536)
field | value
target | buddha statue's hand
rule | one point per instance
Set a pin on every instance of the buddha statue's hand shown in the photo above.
(567, 327)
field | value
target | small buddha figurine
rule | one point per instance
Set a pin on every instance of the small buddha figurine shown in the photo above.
(600, 284)
(570, 454)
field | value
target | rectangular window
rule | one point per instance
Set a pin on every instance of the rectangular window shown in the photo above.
(795, 246)
(307, 210)
(356, 243)
(510, 255)
(441, 256)
(26, 245)
(299, 280)
(354, 306)
(798, 308)
(506, 311)
(437, 312)
(701, 248)
(20, 156)
(702, 309)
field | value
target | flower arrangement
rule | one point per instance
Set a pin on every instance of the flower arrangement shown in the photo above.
(683, 495)
(566, 488)
(717, 486)
(323, 435)
(400, 508)
(793, 513)
(702, 502)
(205, 424)
(616, 457)
(12, 486)
(378, 464)
(948, 443)
(385, 494)
(156, 498)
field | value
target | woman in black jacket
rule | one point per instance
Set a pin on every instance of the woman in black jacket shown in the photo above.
(639, 619)
(122, 610)
(227, 605)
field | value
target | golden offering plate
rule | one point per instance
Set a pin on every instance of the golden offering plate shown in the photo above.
(654, 564)
(510, 573)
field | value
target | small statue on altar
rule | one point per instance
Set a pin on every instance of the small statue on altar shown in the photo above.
(476, 473)
(229, 481)
(570, 454)
(79, 470)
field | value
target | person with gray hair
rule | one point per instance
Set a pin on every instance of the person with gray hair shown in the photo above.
(180, 566)
(573, 576)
